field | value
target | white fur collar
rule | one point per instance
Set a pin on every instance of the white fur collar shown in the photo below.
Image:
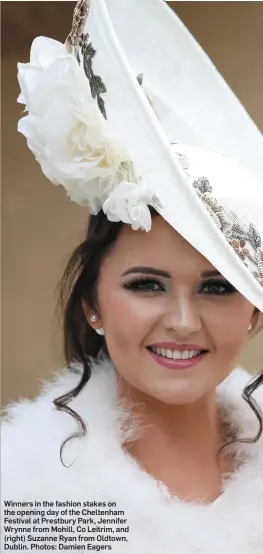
(32, 432)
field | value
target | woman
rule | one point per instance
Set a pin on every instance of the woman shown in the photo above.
(169, 455)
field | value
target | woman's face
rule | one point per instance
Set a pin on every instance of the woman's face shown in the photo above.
(174, 302)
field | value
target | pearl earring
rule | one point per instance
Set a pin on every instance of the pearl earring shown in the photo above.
(93, 318)
(250, 327)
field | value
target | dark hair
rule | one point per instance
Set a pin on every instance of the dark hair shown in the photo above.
(78, 283)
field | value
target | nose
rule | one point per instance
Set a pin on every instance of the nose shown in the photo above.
(183, 317)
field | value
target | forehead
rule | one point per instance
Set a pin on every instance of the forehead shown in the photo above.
(162, 247)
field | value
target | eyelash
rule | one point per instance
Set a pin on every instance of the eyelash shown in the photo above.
(139, 284)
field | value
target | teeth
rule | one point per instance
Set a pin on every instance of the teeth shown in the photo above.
(175, 354)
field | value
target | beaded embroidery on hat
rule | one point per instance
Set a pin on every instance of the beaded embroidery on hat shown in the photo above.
(76, 41)
(239, 233)
(75, 37)
(242, 236)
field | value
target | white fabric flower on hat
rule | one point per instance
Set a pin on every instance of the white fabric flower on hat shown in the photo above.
(65, 128)
(129, 203)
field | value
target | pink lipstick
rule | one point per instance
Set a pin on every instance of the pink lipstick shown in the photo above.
(170, 363)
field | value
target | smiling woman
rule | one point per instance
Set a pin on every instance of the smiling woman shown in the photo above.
(190, 302)
(157, 301)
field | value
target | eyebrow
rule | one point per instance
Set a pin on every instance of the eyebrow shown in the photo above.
(160, 273)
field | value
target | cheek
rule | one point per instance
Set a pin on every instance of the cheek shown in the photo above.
(228, 325)
(127, 318)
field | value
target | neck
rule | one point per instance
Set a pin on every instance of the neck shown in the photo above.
(178, 444)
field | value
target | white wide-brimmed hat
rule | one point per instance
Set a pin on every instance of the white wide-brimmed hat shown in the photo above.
(130, 113)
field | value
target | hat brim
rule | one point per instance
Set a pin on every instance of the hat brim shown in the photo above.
(145, 37)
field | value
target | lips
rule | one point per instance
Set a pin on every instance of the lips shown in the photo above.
(170, 363)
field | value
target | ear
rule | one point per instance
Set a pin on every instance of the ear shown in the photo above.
(87, 311)
(255, 318)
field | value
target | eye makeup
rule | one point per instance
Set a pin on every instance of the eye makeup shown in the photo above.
(145, 284)
(215, 286)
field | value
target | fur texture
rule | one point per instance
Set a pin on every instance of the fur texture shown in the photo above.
(32, 432)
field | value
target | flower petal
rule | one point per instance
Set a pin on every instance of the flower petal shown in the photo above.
(70, 138)
(44, 51)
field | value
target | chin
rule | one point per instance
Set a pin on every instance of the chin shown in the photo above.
(189, 388)
(178, 397)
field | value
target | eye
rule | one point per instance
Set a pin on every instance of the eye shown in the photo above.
(217, 287)
(140, 284)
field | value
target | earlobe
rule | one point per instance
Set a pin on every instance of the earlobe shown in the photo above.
(92, 317)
